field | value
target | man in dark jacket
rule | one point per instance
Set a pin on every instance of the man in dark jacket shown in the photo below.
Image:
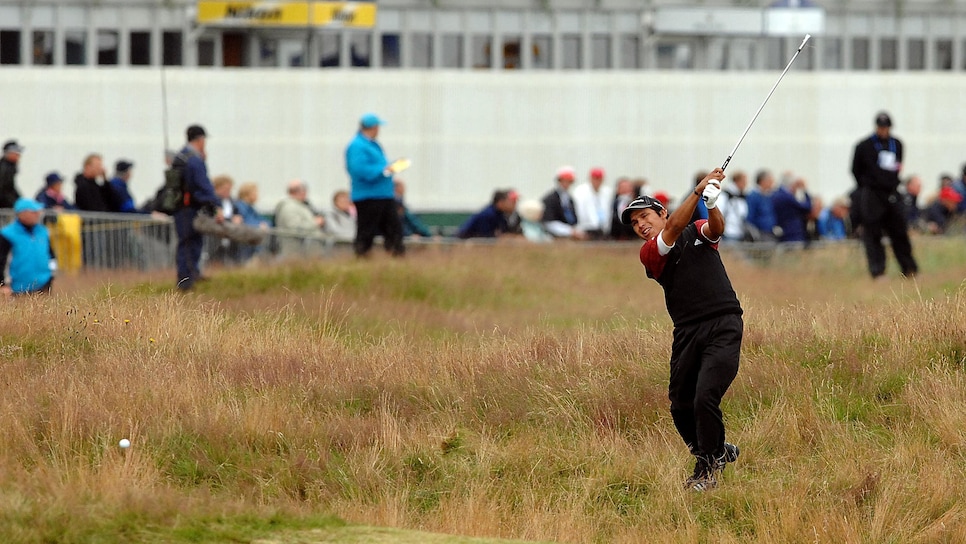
(559, 215)
(91, 191)
(491, 221)
(199, 195)
(876, 165)
(8, 174)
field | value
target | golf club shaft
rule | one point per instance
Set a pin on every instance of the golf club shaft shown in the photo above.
(775, 86)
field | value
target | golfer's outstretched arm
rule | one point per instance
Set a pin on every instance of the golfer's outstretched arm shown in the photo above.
(681, 216)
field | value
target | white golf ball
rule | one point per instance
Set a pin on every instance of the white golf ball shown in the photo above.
(124, 443)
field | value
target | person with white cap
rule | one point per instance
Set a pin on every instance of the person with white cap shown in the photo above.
(559, 214)
(682, 256)
(372, 190)
(26, 242)
(8, 173)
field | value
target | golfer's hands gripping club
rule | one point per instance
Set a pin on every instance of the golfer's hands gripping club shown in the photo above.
(710, 187)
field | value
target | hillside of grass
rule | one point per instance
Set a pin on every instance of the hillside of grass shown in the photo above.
(471, 394)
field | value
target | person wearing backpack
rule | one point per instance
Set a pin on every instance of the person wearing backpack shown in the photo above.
(199, 197)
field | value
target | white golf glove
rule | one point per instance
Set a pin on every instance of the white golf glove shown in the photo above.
(710, 194)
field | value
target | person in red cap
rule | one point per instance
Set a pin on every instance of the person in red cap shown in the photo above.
(943, 210)
(592, 202)
(559, 215)
(875, 165)
(682, 256)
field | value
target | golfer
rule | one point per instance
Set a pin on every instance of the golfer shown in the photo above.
(683, 258)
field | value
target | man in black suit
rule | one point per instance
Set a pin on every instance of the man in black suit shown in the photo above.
(559, 216)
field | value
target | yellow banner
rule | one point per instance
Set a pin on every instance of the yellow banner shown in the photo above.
(283, 14)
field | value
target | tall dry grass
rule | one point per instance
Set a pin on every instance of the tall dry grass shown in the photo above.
(508, 391)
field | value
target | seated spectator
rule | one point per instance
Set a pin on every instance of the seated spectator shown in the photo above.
(833, 221)
(340, 221)
(411, 224)
(625, 194)
(294, 215)
(52, 195)
(245, 206)
(592, 204)
(491, 221)
(559, 215)
(942, 210)
(26, 242)
(792, 205)
(909, 192)
(531, 224)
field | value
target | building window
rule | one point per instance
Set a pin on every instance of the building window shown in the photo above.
(206, 52)
(107, 45)
(75, 42)
(452, 51)
(330, 45)
(360, 49)
(511, 52)
(172, 49)
(571, 52)
(43, 47)
(140, 45)
(9, 47)
(888, 54)
(630, 51)
(944, 55)
(390, 50)
(917, 54)
(542, 52)
(482, 47)
(675, 56)
(600, 56)
(860, 54)
(421, 54)
(832, 54)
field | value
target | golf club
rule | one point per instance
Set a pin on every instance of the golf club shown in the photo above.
(743, 134)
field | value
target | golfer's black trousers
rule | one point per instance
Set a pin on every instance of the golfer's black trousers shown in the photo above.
(704, 362)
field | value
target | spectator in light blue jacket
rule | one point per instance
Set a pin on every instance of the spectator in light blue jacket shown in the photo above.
(373, 192)
(27, 244)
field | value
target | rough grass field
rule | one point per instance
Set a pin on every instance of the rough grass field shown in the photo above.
(471, 394)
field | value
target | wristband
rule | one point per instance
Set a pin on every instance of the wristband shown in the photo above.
(696, 192)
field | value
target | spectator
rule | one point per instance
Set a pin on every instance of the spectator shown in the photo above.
(491, 221)
(876, 163)
(412, 225)
(793, 206)
(8, 173)
(559, 216)
(52, 195)
(199, 195)
(91, 191)
(245, 210)
(942, 210)
(911, 190)
(340, 221)
(513, 221)
(625, 194)
(833, 221)
(373, 192)
(294, 215)
(26, 242)
(592, 203)
(733, 204)
(960, 186)
(225, 250)
(245, 206)
(531, 221)
(761, 211)
(121, 199)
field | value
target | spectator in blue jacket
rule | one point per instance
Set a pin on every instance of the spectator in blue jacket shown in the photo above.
(26, 242)
(833, 221)
(412, 225)
(372, 190)
(792, 205)
(761, 212)
(199, 195)
(121, 199)
(491, 221)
